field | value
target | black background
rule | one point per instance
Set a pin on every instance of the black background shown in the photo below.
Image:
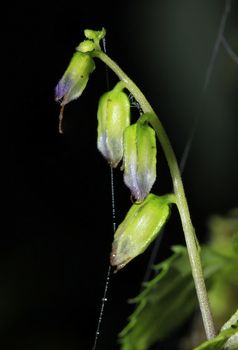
(54, 256)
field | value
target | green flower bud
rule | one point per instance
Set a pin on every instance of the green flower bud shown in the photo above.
(139, 159)
(75, 78)
(86, 46)
(95, 34)
(113, 117)
(140, 227)
(74, 81)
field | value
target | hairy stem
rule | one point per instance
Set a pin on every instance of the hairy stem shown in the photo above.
(181, 201)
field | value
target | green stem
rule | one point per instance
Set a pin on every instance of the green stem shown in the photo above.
(189, 232)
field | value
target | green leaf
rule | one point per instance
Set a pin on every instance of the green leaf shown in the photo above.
(224, 232)
(168, 300)
(227, 339)
(164, 304)
(233, 320)
(235, 242)
(232, 342)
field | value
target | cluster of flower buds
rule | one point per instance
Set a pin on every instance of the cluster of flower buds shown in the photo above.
(134, 145)
(117, 139)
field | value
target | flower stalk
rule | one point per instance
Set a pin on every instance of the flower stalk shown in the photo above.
(181, 201)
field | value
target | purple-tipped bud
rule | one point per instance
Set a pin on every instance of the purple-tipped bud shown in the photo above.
(139, 159)
(75, 78)
(113, 117)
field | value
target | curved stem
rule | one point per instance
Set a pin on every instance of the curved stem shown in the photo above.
(181, 201)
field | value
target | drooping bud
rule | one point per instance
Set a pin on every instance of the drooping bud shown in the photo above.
(75, 78)
(140, 227)
(113, 117)
(139, 159)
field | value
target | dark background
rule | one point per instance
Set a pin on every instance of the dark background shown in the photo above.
(54, 256)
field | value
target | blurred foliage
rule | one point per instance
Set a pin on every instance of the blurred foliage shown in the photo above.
(169, 300)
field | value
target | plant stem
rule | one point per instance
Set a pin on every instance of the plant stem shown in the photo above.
(189, 232)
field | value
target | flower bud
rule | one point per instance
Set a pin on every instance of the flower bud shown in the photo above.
(113, 117)
(141, 225)
(86, 46)
(95, 34)
(139, 159)
(75, 78)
